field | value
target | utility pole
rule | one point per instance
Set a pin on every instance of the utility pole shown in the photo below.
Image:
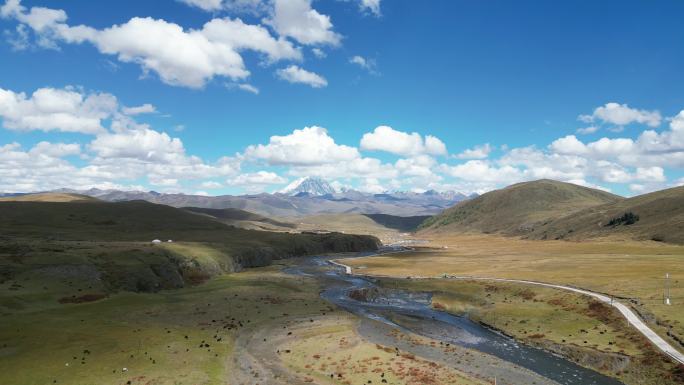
(667, 289)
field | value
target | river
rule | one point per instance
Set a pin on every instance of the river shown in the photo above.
(412, 312)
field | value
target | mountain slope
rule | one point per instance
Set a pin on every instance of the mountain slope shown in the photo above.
(310, 185)
(406, 224)
(113, 241)
(48, 197)
(243, 219)
(519, 208)
(660, 218)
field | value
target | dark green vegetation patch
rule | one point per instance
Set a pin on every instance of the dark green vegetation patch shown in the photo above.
(397, 222)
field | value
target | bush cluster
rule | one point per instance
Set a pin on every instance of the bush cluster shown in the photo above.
(628, 218)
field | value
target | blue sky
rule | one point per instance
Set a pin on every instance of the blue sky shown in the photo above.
(245, 96)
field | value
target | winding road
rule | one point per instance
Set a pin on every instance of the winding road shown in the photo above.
(626, 312)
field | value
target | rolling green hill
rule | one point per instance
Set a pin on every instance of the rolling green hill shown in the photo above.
(660, 218)
(518, 209)
(113, 243)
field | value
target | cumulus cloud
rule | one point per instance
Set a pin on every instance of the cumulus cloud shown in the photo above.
(259, 178)
(418, 166)
(385, 138)
(52, 109)
(55, 150)
(295, 74)
(307, 146)
(477, 152)
(178, 56)
(484, 171)
(621, 115)
(124, 151)
(298, 20)
(142, 144)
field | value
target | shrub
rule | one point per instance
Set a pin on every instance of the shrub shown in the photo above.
(628, 218)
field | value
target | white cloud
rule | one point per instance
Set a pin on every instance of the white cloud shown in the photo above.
(622, 114)
(372, 6)
(257, 178)
(19, 38)
(308, 146)
(249, 88)
(55, 150)
(51, 109)
(144, 144)
(367, 64)
(206, 5)
(296, 19)
(295, 74)
(483, 171)
(355, 168)
(650, 174)
(211, 185)
(146, 108)
(319, 53)
(477, 152)
(587, 130)
(180, 57)
(418, 166)
(372, 186)
(569, 145)
(255, 7)
(385, 138)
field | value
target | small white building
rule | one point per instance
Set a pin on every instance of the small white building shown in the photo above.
(156, 241)
(170, 241)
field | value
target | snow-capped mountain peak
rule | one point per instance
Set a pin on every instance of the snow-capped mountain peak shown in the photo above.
(309, 185)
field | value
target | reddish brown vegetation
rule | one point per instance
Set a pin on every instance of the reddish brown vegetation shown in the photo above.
(83, 298)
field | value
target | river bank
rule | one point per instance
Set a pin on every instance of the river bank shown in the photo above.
(582, 329)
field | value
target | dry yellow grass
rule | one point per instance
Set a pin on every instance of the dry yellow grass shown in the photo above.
(625, 269)
(346, 223)
(334, 348)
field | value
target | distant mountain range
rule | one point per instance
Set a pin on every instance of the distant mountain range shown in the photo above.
(306, 197)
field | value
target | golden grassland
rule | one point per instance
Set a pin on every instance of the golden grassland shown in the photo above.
(346, 223)
(333, 353)
(632, 270)
(577, 327)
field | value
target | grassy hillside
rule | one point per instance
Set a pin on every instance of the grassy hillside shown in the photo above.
(243, 219)
(397, 222)
(519, 208)
(660, 218)
(49, 197)
(109, 244)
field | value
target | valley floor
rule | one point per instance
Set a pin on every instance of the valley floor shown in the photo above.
(260, 326)
(563, 322)
(263, 326)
